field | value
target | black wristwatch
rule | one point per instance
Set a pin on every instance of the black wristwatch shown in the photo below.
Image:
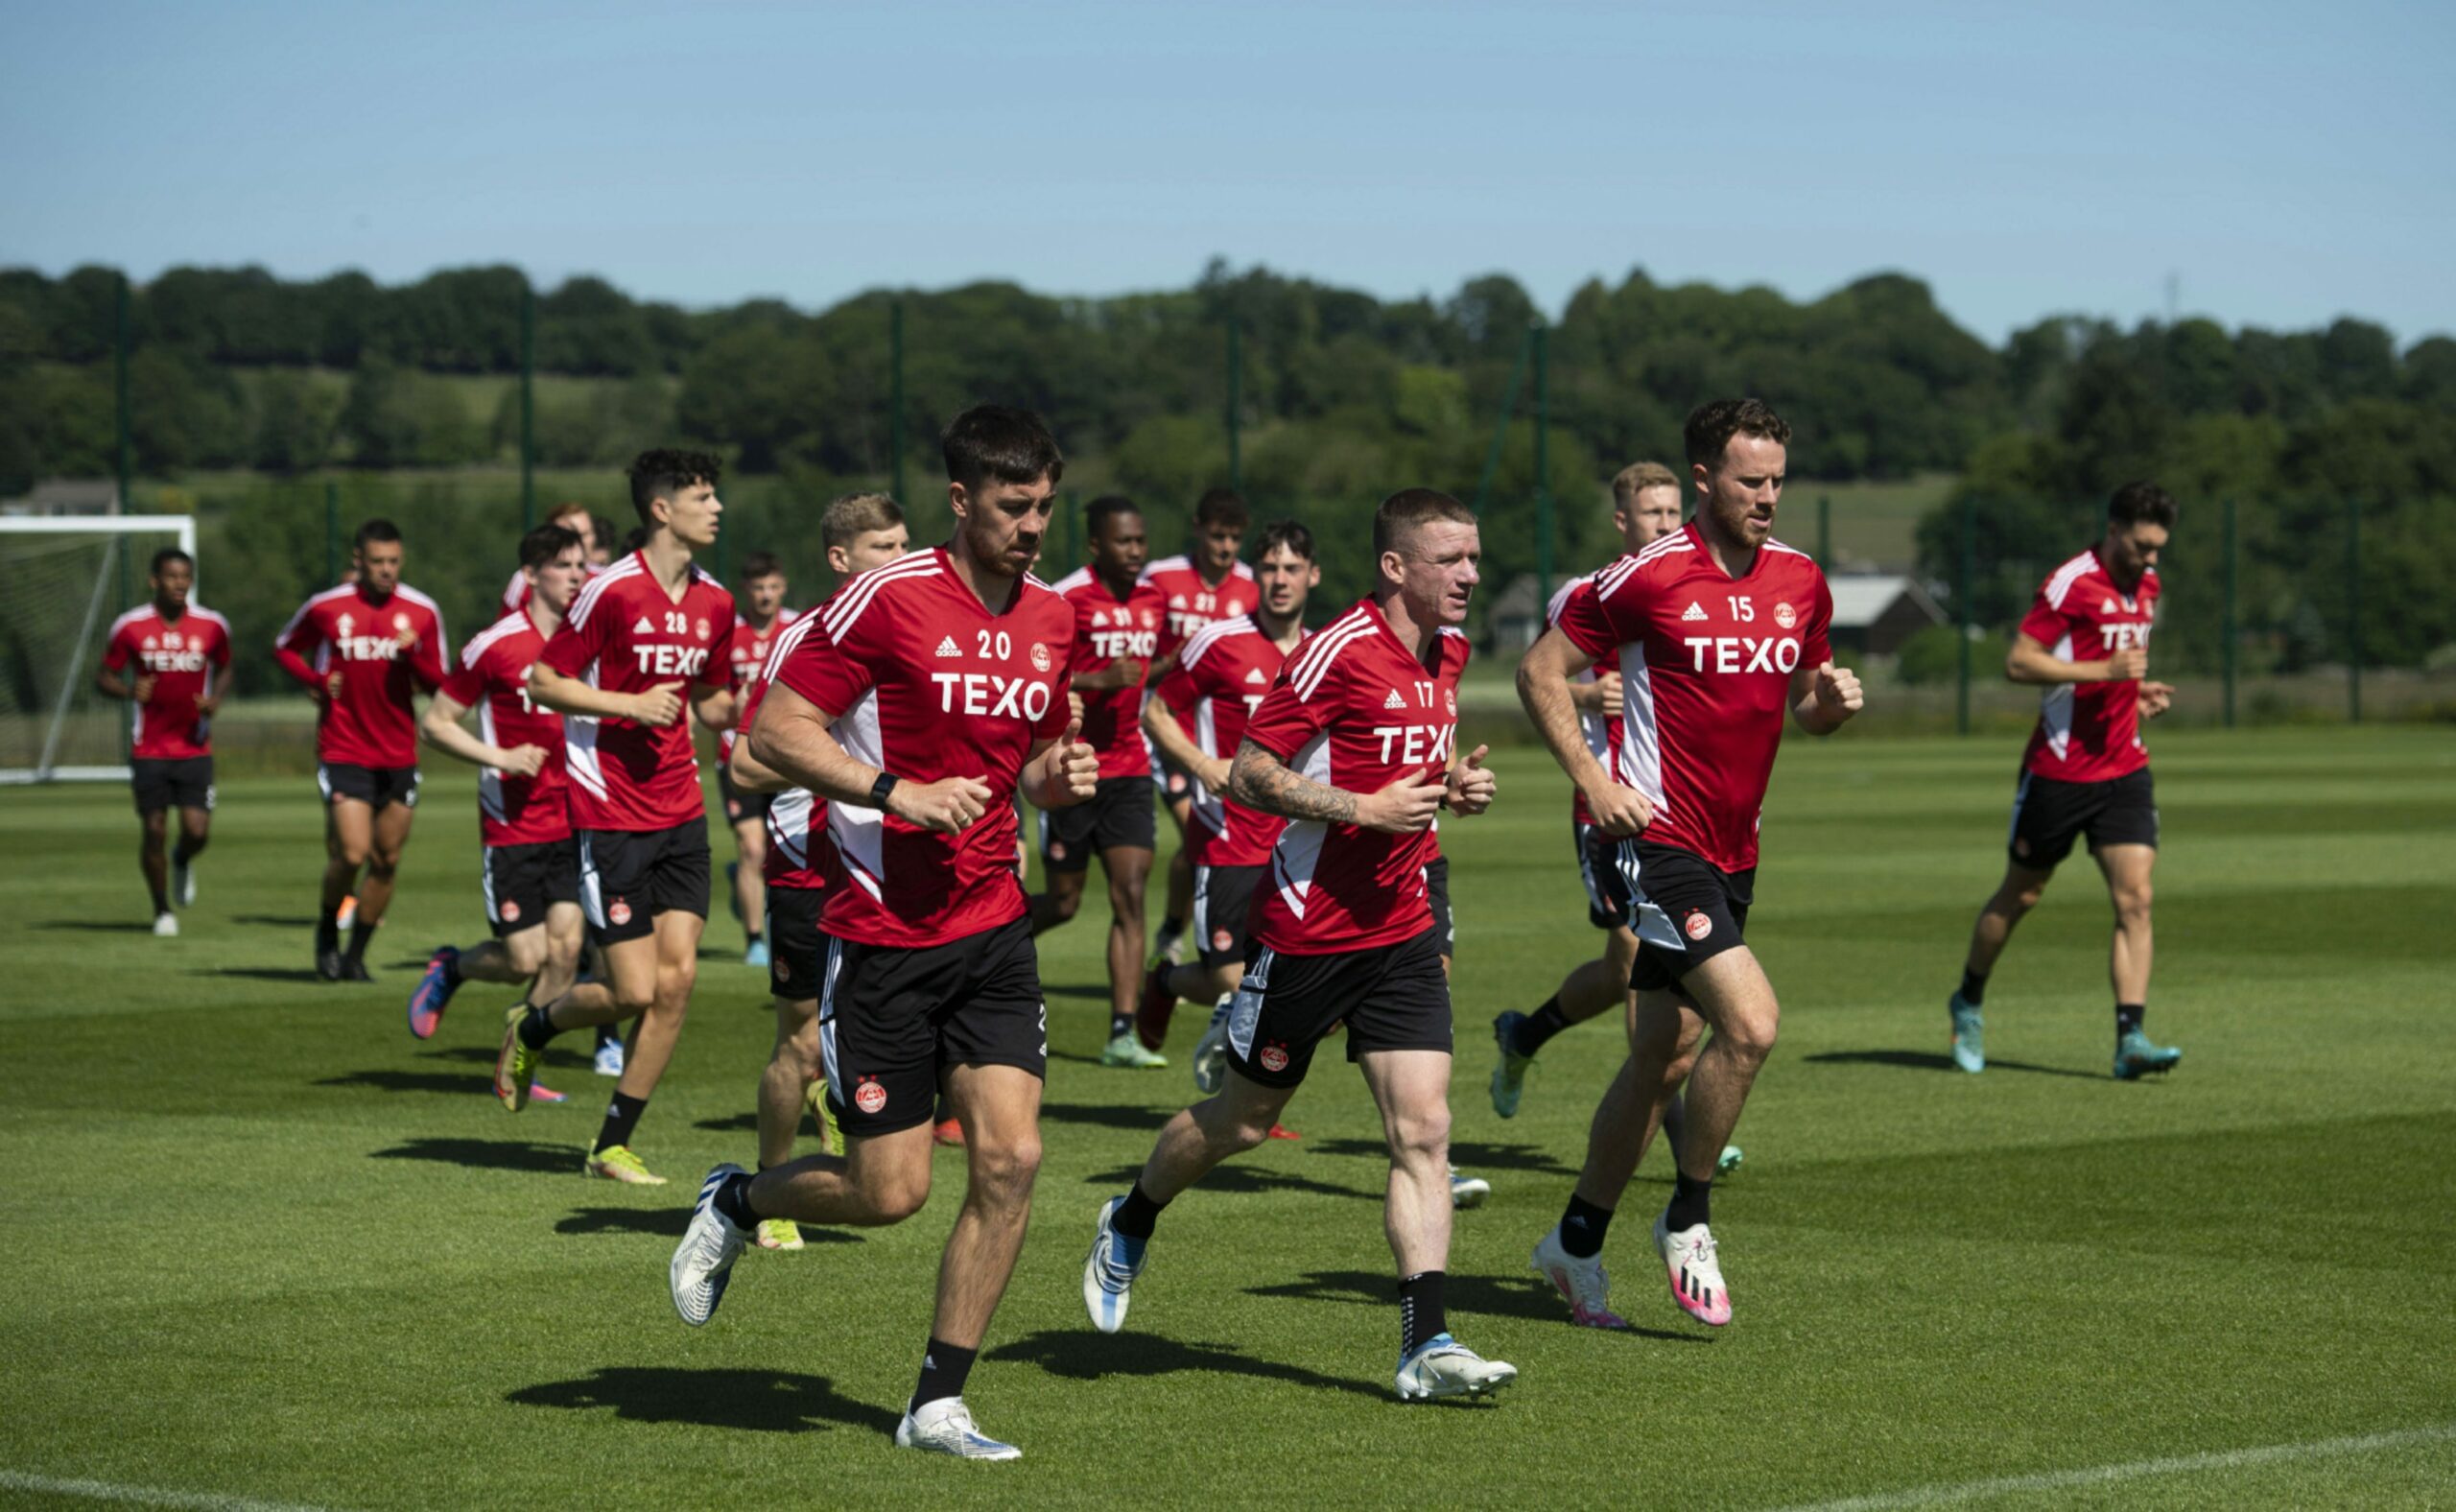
(880, 789)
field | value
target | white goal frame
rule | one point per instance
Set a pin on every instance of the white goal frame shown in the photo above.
(183, 526)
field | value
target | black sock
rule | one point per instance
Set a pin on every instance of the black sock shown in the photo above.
(360, 933)
(1421, 1315)
(1974, 987)
(536, 1028)
(1538, 1027)
(1121, 1024)
(1688, 1202)
(451, 978)
(622, 1116)
(749, 937)
(732, 1199)
(1582, 1227)
(2128, 1017)
(183, 853)
(943, 1369)
(328, 935)
(606, 1036)
(1170, 931)
(1135, 1215)
(162, 902)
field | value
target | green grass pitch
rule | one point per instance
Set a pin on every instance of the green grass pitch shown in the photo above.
(260, 1244)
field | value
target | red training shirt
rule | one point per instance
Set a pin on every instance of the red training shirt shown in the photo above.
(747, 651)
(1603, 731)
(386, 650)
(2090, 731)
(1221, 676)
(799, 852)
(1354, 710)
(181, 656)
(1705, 664)
(624, 635)
(1108, 630)
(927, 683)
(493, 680)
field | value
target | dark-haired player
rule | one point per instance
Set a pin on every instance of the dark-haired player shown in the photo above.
(760, 613)
(1354, 747)
(529, 864)
(574, 517)
(364, 650)
(2085, 640)
(1202, 586)
(861, 531)
(643, 640)
(1117, 633)
(181, 653)
(931, 979)
(1717, 632)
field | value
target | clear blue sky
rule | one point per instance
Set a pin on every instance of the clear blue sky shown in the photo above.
(2288, 162)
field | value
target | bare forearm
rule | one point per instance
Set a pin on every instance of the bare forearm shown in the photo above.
(804, 753)
(1546, 696)
(1160, 723)
(748, 772)
(108, 683)
(448, 737)
(1587, 697)
(1261, 781)
(716, 707)
(549, 689)
(2036, 665)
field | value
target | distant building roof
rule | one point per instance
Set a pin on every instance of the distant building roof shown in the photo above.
(1861, 599)
(67, 496)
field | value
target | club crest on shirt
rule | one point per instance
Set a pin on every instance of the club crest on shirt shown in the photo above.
(1040, 657)
(1786, 616)
(700, 630)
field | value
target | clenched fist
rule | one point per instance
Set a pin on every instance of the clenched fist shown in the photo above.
(1837, 692)
(945, 806)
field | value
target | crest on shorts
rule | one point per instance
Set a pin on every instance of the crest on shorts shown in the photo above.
(620, 913)
(1221, 939)
(1273, 1058)
(1786, 616)
(1696, 926)
(510, 912)
(1057, 850)
(870, 1097)
(1040, 657)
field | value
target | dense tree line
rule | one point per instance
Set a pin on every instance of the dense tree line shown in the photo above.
(1339, 397)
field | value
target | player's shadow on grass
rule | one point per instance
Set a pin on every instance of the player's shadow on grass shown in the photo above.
(1084, 1354)
(486, 1154)
(1930, 1061)
(97, 925)
(1106, 1115)
(1468, 1156)
(1496, 1296)
(1244, 1180)
(459, 1083)
(267, 973)
(667, 1223)
(756, 1401)
(484, 1056)
(279, 921)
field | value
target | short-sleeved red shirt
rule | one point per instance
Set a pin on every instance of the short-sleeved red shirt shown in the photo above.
(926, 683)
(2090, 731)
(1706, 663)
(799, 852)
(1221, 676)
(1192, 602)
(180, 655)
(493, 680)
(386, 650)
(1107, 629)
(748, 652)
(1603, 731)
(626, 635)
(1356, 710)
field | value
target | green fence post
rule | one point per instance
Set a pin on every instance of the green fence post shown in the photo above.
(2353, 609)
(1963, 613)
(332, 533)
(124, 453)
(1236, 405)
(2232, 634)
(528, 406)
(1543, 471)
(1825, 533)
(1073, 540)
(895, 397)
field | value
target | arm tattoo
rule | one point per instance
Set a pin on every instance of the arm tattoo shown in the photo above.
(1261, 781)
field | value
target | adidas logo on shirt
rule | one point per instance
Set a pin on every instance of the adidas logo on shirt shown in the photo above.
(2107, 607)
(1394, 701)
(947, 648)
(1255, 674)
(644, 627)
(1692, 612)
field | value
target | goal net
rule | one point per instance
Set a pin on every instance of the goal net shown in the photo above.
(64, 579)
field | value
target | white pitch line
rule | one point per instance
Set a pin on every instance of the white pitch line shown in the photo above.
(2137, 1469)
(143, 1496)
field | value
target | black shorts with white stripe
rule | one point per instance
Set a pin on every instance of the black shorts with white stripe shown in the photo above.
(893, 1020)
(1392, 998)
(522, 882)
